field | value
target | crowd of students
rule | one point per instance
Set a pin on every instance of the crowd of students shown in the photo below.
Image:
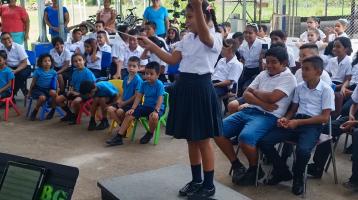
(270, 95)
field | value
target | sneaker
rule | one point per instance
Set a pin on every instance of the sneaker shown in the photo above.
(202, 193)
(115, 140)
(279, 176)
(314, 171)
(146, 138)
(297, 185)
(103, 125)
(238, 173)
(190, 188)
(50, 114)
(351, 185)
(250, 177)
(92, 125)
(66, 118)
(33, 115)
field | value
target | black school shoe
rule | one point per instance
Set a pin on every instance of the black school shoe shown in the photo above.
(103, 125)
(146, 138)
(50, 114)
(279, 176)
(314, 171)
(297, 185)
(250, 177)
(115, 140)
(238, 173)
(67, 117)
(353, 186)
(190, 188)
(202, 193)
(92, 125)
(33, 115)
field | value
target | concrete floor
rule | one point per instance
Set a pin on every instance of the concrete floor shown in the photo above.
(73, 145)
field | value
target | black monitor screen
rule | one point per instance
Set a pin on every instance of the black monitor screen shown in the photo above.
(21, 182)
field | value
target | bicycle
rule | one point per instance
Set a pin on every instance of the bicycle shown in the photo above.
(131, 20)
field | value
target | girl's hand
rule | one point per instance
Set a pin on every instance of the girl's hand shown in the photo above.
(145, 43)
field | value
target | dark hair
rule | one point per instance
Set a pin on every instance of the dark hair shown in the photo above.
(56, 40)
(151, 24)
(253, 26)
(100, 22)
(86, 87)
(157, 42)
(309, 46)
(134, 59)
(263, 27)
(92, 42)
(278, 44)
(102, 32)
(42, 57)
(278, 52)
(226, 24)
(316, 19)
(176, 37)
(208, 11)
(279, 34)
(3, 54)
(6, 33)
(76, 30)
(78, 54)
(153, 65)
(238, 35)
(355, 61)
(231, 43)
(346, 43)
(84, 26)
(133, 32)
(316, 62)
(328, 51)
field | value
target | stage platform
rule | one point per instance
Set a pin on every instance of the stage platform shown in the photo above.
(160, 184)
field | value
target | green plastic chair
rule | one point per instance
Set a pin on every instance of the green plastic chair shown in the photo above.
(162, 121)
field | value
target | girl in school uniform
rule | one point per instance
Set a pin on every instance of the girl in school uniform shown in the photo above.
(194, 113)
(312, 23)
(340, 67)
(93, 57)
(339, 29)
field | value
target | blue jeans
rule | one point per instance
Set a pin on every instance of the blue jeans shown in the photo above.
(306, 138)
(250, 124)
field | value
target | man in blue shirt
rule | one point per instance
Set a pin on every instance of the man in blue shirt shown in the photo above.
(159, 15)
(51, 18)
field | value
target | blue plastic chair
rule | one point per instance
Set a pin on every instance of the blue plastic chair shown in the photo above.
(45, 108)
(42, 49)
(105, 64)
(32, 57)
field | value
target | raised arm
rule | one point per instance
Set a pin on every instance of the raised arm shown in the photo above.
(202, 27)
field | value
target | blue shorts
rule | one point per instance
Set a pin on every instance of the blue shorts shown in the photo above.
(40, 91)
(250, 124)
(144, 111)
(5, 94)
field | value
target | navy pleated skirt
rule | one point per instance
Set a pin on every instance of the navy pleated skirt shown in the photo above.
(194, 113)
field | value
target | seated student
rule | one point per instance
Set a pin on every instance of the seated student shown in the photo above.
(339, 29)
(228, 70)
(117, 48)
(102, 42)
(278, 36)
(133, 49)
(103, 93)
(309, 50)
(6, 76)
(313, 37)
(75, 45)
(93, 57)
(348, 87)
(98, 26)
(269, 96)
(44, 85)
(80, 73)
(227, 27)
(84, 30)
(17, 61)
(153, 106)
(131, 86)
(150, 28)
(262, 34)
(62, 58)
(239, 38)
(312, 23)
(340, 67)
(311, 107)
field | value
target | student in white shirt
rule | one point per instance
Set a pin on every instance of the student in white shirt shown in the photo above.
(262, 34)
(340, 67)
(194, 95)
(250, 50)
(313, 37)
(312, 23)
(133, 49)
(228, 69)
(102, 42)
(93, 57)
(311, 107)
(17, 61)
(339, 29)
(228, 31)
(75, 45)
(62, 58)
(118, 48)
(269, 96)
(99, 26)
(278, 36)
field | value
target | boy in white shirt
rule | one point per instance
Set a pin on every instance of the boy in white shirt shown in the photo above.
(262, 34)
(99, 26)
(102, 42)
(311, 107)
(278, 36)
(269, 96)
(76, 44)
(62, 58)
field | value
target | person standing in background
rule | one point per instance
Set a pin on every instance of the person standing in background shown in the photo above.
(159, 15)
(51, 18)
(108, 16)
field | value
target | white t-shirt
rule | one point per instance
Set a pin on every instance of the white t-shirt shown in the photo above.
(284, 81)
(251, 54)
(324, 77)
(227, 70)
(72, 47)
(341, 70)
(354, 79)
(313, 101)
(127, 53)
(303, 36)
(118, 48)
(15, 55)
(59, 59)
(291, 57)
(97, 63)
(105, 48)
(197, 58)
(332, 37)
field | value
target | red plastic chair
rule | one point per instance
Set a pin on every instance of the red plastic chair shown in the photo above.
(85, 107)
(8, 101)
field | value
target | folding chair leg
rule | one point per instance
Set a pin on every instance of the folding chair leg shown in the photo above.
(334, 164)
(258, 167)
(6, 113)
(134, 129)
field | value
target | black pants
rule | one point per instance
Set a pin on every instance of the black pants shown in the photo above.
(246, 78)
(354, 177)
(20, 80)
